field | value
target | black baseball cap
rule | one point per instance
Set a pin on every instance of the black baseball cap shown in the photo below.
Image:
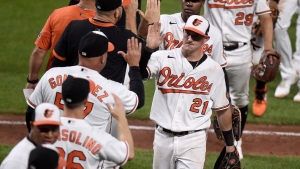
(94, 44)
(109, 5)
(75, 90)
(45, 156)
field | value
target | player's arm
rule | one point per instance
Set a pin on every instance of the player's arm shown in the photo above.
(225, 123)
(223, 112)
(133, 57)
(151, 15)
(42, 45)
(118, 112)
(130, 11)
(152, 43)
(35, 63)
(267, 30)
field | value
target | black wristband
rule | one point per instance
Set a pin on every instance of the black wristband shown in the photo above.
(150, 50)
(32, 81)
(228, 137)
(151, 24)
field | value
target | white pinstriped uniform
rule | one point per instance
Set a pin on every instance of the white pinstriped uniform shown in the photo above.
(96, 112)
(172, 25)
(234, 19)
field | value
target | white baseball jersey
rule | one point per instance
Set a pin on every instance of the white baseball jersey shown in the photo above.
(84, 146)
(19, 155)
(234, 18)
(171, 26)
(184, 96)
(96, 112)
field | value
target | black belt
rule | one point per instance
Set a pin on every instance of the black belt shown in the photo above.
(181, 133)
(233, 45)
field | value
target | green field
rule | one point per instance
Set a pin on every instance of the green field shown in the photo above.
(21, 22)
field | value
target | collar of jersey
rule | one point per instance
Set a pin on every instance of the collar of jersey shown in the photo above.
(100, 23)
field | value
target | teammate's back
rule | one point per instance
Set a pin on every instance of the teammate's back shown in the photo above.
(84, 146)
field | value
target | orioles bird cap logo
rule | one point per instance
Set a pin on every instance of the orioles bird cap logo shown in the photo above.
(197, 22)
(48, 113)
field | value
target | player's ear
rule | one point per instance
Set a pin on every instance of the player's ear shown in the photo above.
(118, 12)
(206, 38)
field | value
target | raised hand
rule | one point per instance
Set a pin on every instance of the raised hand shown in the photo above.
(133, 55)
(153, 38)
(118, 110)
(152, 13)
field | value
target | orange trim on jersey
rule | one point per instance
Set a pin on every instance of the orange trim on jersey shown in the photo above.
(224, 64)
(58, 57)
(134, 107)
(228, 7)
(45, 122)
(164, 91)
(103, 24)
(221, 108)
(195, 30)
(33, 105)
(127, 154)
(149, 72)
(259, 13)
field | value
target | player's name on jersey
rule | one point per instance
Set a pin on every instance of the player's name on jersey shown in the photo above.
(235, 2)
(190, 84)
(94, 88)
(75, 137)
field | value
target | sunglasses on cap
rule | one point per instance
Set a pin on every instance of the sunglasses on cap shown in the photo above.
(194, 36)
(47, 129)
(194, 1)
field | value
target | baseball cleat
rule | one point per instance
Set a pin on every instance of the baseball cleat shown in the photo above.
(259, 105)
(238, 145)
(297, 97)
(283, 89)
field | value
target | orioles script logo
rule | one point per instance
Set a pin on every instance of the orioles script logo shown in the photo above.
(48, 113)
(190, 85)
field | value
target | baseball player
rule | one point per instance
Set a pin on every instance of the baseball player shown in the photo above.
(82, 145)
(51, 32)
(45, 124)
(45, 156)
(284, 47)
(171, 27)
(234, 19)
(189, 84)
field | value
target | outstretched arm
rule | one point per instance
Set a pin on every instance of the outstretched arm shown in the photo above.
(118, 112)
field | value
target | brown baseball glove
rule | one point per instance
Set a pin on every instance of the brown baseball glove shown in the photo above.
(230, 161)
(256, 27)
(236, 125)
(268, 66)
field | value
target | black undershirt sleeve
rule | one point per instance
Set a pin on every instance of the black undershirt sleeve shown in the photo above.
(146, 54)
(136, 84)
(226, 82)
